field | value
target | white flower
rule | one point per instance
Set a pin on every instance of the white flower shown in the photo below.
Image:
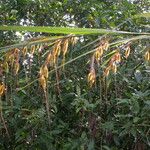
(25, 62)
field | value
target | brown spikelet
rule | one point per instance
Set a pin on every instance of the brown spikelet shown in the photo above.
(2, 89)
(56, 51)
(117, 57)
(49, 58)
(106, 71)
(127, 52)
(8, 56)
(91, 77)
(42, 81)
(16, 51)
(65, 47)
(44, 71)
(16, 68)
(32, 49)
(147, 56)
(56, 48)
(114, 68)
(24, 51)
(73, 40)
(106, 45)
(92, 74)
(98, 53)
(6, 67)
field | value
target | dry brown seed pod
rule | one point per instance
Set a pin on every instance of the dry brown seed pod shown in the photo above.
(107, 70)
(6, 67)
(44, 71)
(2, 89)
(32, 49)
(147, 56)
(127, 52)
(16, 68)
(56, 48)
(24, 51)
(42, 81)
(65, 47)
(16, 51)
(106, 46)
(117, 57)
(73, 40)
(114, 68)
(91, 77)
(49, 58)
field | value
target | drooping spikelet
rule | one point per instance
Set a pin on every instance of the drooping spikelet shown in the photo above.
(24, 51)
(92, 74)
(114, 68)
(2, 89)
(49, 58)
(42, 81)
(147, 56)
(65, 46)
(91, 77)
(127, 52)
(32, 49)
(98, 53)
(16, 68)
(44, 71)
(106, 71)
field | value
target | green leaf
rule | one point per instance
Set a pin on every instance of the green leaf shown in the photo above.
(146, 15)
(66, 30)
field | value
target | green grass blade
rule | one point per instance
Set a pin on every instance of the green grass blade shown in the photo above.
(66, 30)
(145, 15)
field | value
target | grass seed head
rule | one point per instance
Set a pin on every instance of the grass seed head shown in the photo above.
(114, 68)
(73, 40)
(127, 52)
(6, 67)
(32, 49)
(49, 58)
(42, 82)
(65, 47)
(24, 51)
(147, 56)
(106, 71)
(16, 68)
(2, 89)
(91, 77)
(44, 71)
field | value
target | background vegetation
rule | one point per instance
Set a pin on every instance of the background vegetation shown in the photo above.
(55, 90)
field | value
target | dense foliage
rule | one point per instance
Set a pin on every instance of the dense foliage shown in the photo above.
(89, 90)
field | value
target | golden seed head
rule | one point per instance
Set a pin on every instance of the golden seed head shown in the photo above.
(106, 45)
(114, 68)
(117, 57)
(16, 68)
(49, 58)
(65, 47)
(91, 77)
(106, 71)
(6, 67)
(147, 56)
(24, 51)
(42, 81)
(44, 71)
(73, 40)
(2, 89)
(32, 49)
(16, 51)
(127, 52)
